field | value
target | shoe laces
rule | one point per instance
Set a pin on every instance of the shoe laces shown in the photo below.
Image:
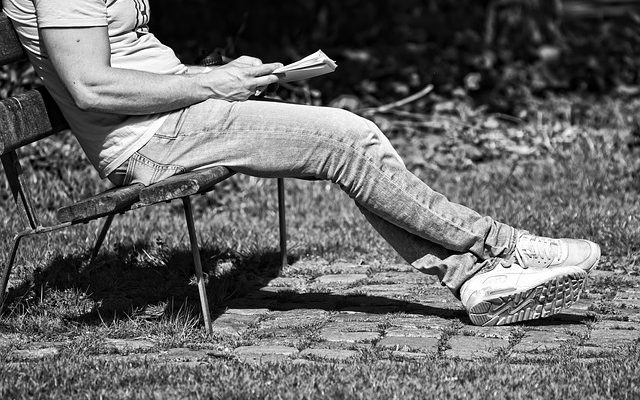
(536, 248)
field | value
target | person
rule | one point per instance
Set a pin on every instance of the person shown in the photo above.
(141, 115)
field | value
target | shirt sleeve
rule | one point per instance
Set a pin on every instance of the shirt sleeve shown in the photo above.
(70, 13)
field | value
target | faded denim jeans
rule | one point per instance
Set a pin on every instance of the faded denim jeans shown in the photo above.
(270, 139)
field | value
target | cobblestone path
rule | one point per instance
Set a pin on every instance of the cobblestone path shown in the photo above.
(319, 311)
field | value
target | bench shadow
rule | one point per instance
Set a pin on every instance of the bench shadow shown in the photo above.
(139, 279)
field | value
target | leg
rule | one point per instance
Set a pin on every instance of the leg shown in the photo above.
(101, 236)
(283, 140)
(6, 270)
(282, 222)
(462, 247)
(204, 302)
(452, 268)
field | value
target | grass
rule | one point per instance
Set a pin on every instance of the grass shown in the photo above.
(556, 377)
(142, 286)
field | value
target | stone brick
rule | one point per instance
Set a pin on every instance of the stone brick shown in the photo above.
(408, 355)
(398, 268)
(629, 298)
(349, 316)
(413, 332)
(123, 345)
(542, 341)
(612, 338)
(182, 354)
(272, 291)
(401, 290)
(322, 267)
(422, 344)
(263, 350)
(422, 322)
(328, 354)
(233, 324)
(594, 351)
(265, 353)
(499, 332)
(298, 283)
(619, 325)
(294, 318)
(248, 311)
(353, 326)
(471, 347)
(34, 354)
(413, 278)
(340, 279)
(334, 335)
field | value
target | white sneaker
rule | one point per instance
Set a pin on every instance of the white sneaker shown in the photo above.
(542, 252)
(505, 295)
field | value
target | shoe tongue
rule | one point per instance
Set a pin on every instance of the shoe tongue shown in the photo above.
(537, 247)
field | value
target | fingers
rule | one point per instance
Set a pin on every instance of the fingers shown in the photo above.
(264, 69)
(265, 80)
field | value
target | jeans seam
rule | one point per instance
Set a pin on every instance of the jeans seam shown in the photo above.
(388, 177)
(384, 174)
(368, 160)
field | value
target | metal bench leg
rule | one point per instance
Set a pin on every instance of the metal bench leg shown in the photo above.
(204, 302)
(101, 237)
(283, 223)
(6, 271)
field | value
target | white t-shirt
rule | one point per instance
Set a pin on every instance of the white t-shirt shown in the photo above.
(107, 139)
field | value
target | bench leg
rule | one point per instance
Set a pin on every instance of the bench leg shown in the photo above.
(204, 302)
(101, 237)
(6, 271)
(283, 223)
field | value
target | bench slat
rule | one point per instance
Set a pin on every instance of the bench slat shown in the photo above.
(182, 185)
(108, 202)
(10, 48)
(27, 118)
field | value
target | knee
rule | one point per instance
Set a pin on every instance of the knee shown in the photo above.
(356, 130)
(365, 135)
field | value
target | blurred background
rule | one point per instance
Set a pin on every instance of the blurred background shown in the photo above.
(499, 53)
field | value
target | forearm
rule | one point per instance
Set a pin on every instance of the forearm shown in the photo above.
(197, 69)
(124, 91)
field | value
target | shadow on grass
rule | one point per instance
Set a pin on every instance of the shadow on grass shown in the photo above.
(137, 278)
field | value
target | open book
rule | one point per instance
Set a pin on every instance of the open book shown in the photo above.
(311, 66)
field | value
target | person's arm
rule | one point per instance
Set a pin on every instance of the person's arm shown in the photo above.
(81, 56)
(198, 69)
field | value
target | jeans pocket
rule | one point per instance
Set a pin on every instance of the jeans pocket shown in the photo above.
(143, 170)
(171, 126)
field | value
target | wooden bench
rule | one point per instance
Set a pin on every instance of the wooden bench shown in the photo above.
(32, 116)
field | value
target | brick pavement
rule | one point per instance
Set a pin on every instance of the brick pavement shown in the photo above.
(320, 311)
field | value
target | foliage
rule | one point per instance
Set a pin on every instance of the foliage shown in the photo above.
(500, 52)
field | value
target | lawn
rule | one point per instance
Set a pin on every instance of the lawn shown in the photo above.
(548, 174)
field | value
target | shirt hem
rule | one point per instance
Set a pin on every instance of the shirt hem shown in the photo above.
(137, 145)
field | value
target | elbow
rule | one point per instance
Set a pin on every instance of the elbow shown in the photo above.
(85, 100)
(85, 95)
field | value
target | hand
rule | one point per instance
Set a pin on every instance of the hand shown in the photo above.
(241, 78)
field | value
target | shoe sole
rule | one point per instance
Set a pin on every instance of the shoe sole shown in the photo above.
(541, 301)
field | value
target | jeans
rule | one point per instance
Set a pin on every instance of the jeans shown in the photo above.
(270, 139)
